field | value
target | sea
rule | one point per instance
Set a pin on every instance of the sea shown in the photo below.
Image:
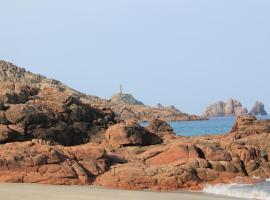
(223, 125)
(217, 125)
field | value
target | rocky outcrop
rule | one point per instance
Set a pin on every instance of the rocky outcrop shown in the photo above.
(192, 162)
(187, 164)
(258, 109)
(130, 134)
(171, 108)
(11, 73)
(127, 107)
(121, 98)
(32, 162)
(162, 129)
(147, 113)
(248, 125)
(223, 109)
(28, 112)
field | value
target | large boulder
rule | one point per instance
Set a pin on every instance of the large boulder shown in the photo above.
(171, 154)
(130, 134)
(249, 125)
(162, 129)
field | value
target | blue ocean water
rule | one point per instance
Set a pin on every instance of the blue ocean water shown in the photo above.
(218, 125)
(212, 126)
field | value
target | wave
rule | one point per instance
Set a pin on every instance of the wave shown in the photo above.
(244, 191)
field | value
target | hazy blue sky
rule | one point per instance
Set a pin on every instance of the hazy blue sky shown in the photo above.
(183, 52)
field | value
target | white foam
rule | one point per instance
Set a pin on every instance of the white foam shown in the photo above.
(260, 191)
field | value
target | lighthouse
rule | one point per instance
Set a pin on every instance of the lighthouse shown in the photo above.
(121, 89)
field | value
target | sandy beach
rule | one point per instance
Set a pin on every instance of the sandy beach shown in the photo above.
(44, 192)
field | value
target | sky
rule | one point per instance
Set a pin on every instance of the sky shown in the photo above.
(188, 53)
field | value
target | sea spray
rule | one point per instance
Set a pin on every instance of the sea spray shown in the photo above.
(246, 191)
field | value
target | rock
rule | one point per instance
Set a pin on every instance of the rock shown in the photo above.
(184, 162)
(162, 129)
(248, 125)
(223, 109)
(258, 109)
(147, 113)
(171, 108)
(130, 134)
(36, 163)
(121, 98)
(217, 154)
(7, 134)
(175, 152)
(51, 115)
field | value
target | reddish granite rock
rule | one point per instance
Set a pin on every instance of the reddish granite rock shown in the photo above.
(130, 134)
(248, 125)
(184, 162)
(189, 163)
(125, 134)
(215, 153)
(162, 129)
(49, 114)
(172, 154)
(29, 162)
(7, 134)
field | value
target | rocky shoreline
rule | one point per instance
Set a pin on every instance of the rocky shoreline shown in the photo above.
(136, 158)
(51, 135)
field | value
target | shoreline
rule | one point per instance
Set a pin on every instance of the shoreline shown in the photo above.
(18, 191)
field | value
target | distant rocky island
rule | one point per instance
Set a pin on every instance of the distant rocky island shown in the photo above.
(232, 107)
(258, 109)
(52, 134)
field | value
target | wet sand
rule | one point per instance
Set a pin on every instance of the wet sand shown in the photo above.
(9, 191)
